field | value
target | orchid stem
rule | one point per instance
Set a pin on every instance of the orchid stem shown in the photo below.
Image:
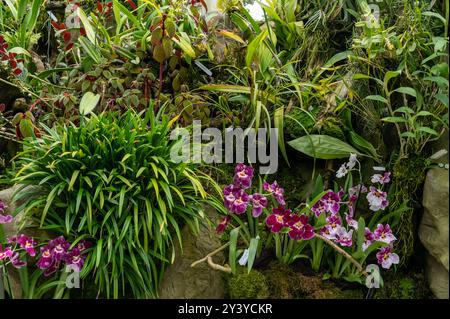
(344, 253)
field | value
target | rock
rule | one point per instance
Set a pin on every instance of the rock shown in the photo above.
(185, 282)
(433, 230)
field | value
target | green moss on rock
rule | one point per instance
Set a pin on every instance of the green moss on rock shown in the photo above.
(404, 286)
(245, 285)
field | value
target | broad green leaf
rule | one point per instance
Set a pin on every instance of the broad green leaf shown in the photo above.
(378, 98)
(323, 147)
(185, 44)
(252, 250)
(90, 32)
(407, 90)
(226, 88)
(231, 35)
(394, 119)
(88, 102)
(252, 47)
(233, 247)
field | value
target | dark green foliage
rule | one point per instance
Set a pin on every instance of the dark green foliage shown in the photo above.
(112, 181)
(404, 286)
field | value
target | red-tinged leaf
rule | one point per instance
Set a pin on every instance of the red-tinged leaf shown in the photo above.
(204, 5)
(132, 4)
(99, 7)
(67, 36)
(37, 132)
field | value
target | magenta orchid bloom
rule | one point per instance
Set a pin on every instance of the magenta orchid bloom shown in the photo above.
(46, 259)
(82, 245)
(16, 262)
(243, 176)
(239, 206)
(384, 234)
(75, 259)
(330, 229)
(377, 199)
(278, 219)
(331, 201)
(381, 179)
(276, 191)
(386, 258)
(2, 206)
(319, 208)
(5, 219)
(259, 202)
(26, 243)
(350, 221)
(60, 247)
(236, 200)
(344, 237)
(229, 197)
(223, 224)
(4, 254)
(299, 228)
(369, 238)
(353, 192)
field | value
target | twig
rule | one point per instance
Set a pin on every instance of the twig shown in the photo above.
(344, 253)
(210, 255)
(218, 267)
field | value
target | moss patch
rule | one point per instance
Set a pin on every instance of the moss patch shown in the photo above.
(245, 285)
(404, 286)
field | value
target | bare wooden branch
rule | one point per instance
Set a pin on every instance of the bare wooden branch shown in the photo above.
(344, 253)
(218, 267)
(210, 255)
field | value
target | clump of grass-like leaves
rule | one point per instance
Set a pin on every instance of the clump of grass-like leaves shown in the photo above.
(111, 180)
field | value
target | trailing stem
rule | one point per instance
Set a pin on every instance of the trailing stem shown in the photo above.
(344, 253)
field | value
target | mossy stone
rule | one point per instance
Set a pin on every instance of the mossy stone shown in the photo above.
(245, 285)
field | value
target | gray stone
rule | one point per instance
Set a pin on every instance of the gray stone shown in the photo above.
(433, 230)
(185, 282)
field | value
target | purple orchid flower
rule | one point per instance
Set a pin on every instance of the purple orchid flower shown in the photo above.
(330, 229)
(331, 201)
(2, 206)
(344, 237)
(223, 224)
(82, 245)
(369, 238)
(350, 221)
(299, 228)
(59, 247)
(74, 258)
(276, 191)
(384, 234)
(381, 179)
(278, 219)
(259, 202)
(243, 176)
(5, 219)
(16, 262)
(377, 199)
(4, 254)
(47, 258)
(236, 200)
(319, 208)
(386, 258)
(25, 242)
